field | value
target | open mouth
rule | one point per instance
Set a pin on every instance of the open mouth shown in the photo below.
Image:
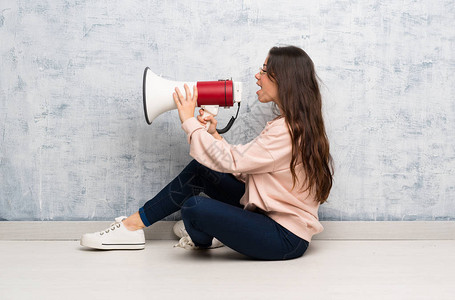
(260, 87)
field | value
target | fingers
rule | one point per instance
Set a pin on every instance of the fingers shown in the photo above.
(195, 93)
(177, 90)
(187, 92)
(176, 99)
(200, 119)
(210, 118)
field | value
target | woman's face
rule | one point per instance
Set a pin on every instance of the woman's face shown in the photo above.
(269, 88)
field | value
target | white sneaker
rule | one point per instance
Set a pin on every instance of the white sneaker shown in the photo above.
(179, 229)
(186, 243)
(185, 240)
(116, 237)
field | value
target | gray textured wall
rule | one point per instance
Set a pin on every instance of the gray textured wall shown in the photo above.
(74, 144)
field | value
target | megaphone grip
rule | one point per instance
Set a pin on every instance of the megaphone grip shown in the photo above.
(204, 115)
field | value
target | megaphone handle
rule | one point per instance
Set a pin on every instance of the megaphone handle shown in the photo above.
(209, 110)
(206, 114)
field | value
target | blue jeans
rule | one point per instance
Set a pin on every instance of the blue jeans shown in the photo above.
(221, 216)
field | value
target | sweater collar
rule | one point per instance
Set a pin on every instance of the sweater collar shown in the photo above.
(279, 118)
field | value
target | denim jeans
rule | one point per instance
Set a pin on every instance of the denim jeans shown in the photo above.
(251, 233)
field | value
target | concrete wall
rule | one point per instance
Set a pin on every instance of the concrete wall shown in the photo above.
(74, 144)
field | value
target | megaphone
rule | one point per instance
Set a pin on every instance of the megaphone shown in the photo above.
(157, 96)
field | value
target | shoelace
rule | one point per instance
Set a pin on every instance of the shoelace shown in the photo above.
(186, 243)
(112, 227)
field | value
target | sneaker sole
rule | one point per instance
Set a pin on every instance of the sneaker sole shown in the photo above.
(136, 246)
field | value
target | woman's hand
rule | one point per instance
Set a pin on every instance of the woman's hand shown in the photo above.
(209, 118)
(185, 105)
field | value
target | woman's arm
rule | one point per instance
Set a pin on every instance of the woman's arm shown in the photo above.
(216, 153)
(217, 136)
(221, 156)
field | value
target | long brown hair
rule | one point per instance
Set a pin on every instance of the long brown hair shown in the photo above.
(301, 104)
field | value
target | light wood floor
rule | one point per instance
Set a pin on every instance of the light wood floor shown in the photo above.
(328, 270)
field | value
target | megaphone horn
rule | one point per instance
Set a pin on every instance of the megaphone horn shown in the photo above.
(157, 96)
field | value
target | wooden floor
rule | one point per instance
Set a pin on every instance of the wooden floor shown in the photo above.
(329, 270)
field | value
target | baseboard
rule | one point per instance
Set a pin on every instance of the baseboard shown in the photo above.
(387, 230)
(333, 230)
(72, 230)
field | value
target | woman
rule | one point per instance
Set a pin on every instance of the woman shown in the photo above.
(265, 195)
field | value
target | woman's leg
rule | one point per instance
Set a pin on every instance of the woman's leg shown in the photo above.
(194, 179)
(250, 233)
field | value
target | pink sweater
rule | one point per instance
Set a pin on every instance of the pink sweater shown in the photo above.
(263, 164)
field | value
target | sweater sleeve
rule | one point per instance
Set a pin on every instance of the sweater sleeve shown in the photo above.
(221, 156)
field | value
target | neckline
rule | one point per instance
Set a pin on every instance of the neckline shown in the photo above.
(275, 119)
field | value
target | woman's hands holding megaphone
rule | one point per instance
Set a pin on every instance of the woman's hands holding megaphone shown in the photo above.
(185, 105)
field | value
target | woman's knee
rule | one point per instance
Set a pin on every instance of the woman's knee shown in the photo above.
(195, 206)
(190, 202)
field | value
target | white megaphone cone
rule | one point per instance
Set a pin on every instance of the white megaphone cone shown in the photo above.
(157, 96)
